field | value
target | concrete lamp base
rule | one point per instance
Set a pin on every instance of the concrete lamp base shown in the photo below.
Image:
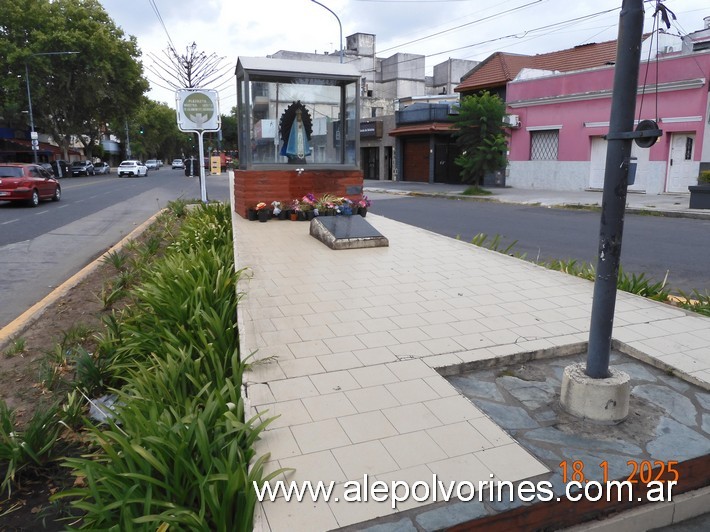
(604, 401)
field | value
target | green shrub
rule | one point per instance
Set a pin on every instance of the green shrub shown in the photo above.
(181, 453)
(704, 177)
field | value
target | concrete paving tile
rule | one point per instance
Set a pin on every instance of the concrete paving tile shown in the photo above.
(287, 336)
(334, 381)
(260, 394)
(311, 348)
(328, 406)
(319, 436)
(373, 375)
(441, 386)
(351, 315)
(411, 418)
(340, 344)
(413, 449)
(410, 476)
(453, 409)
(339, 361)
(462, 472)
(346, 328)
(459, 438)
(288, 322)
(279, 443)
(265, 371)
(367, 426)
(685, 363)
(441, 330)
(317, 332)
(296, 388)
(411, 369)
(469, 326)
(367, 458)
(348, 513)
(378, 324)
(381, 312)
(409, 334)
(511, 462)
(439, 346)
(412, 350)
(374, 356)
(411, 391)
(408, 321)
(306, 515)
(491, 431)
(301, 366)
(313, 467)
(286, 414)
(372, 398)
(473, 341)
(377, 339)
(321, 318)
(442, 361)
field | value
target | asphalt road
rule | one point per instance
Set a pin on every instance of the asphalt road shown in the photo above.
(652, 245)
(42, 247)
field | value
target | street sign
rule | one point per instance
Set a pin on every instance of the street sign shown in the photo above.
(198, 110)
(34, 135)
(35, 144)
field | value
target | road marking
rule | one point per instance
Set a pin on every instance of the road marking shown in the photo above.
(10, 221)
(41, 212)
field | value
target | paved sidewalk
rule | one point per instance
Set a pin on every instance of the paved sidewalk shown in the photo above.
(351, 341)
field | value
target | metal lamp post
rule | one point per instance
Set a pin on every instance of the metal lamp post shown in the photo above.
(339, 24)
(33, 134)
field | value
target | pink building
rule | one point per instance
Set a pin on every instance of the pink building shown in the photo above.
(559, 121)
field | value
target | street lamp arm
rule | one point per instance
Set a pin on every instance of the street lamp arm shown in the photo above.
(339, 24)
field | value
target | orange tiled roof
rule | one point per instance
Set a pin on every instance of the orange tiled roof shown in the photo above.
(498, 69)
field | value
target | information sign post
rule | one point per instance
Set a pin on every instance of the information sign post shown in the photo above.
(198, 112)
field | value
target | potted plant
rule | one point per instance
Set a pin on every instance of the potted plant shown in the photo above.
(294, 209)
(262, 212)
(700, 193)
(251, 214)
(308, 205)
(363, 204)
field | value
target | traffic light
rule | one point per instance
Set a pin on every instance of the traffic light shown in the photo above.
(140, 130)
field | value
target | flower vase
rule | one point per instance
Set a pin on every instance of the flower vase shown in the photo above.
(363, 211)
(294, 216)
(264, 215)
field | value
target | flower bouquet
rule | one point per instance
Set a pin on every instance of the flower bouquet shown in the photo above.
(262, 212)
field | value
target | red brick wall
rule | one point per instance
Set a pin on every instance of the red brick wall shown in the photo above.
(253, 186)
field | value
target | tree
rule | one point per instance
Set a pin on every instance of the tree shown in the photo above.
(481, 136)
(191, 70)
(77, 94)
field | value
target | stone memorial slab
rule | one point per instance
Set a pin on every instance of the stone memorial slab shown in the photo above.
(346, 232)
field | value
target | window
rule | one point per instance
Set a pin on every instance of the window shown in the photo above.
(688, 148)
(544, 145)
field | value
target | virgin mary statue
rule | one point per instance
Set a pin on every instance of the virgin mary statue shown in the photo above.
(296, 132)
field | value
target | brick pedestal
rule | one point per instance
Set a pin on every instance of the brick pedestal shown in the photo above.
(254, 186)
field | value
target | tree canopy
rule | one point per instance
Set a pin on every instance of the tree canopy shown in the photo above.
(72, 94)
(481, 136)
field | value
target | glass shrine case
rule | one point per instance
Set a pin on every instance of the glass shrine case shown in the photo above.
(297, 112)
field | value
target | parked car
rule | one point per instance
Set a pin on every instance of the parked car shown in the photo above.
(82, 168)
(102, 168)
(132, 168)
(29, 183)
(178, 163)
(152, 164)
(60, 168)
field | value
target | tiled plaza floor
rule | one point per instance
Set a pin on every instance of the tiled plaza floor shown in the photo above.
(350, 342)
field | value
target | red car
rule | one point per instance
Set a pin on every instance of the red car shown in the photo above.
(27, 182)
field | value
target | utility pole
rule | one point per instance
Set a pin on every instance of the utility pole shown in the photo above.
(620, 137)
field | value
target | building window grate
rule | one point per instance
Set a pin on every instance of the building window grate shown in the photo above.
(688, 148)
(544, 145)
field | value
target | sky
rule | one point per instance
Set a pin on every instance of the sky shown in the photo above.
(438, 29)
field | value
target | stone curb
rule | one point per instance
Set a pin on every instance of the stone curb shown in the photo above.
(20, 324)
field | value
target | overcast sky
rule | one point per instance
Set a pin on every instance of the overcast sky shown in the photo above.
(438, 29)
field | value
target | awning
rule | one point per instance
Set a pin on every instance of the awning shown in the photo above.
(44, 147)
(423, 129)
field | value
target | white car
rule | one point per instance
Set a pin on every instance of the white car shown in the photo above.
(152, 164)
(178, 163)
(132, 168)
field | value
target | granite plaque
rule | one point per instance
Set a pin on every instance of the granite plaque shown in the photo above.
(346, 232)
